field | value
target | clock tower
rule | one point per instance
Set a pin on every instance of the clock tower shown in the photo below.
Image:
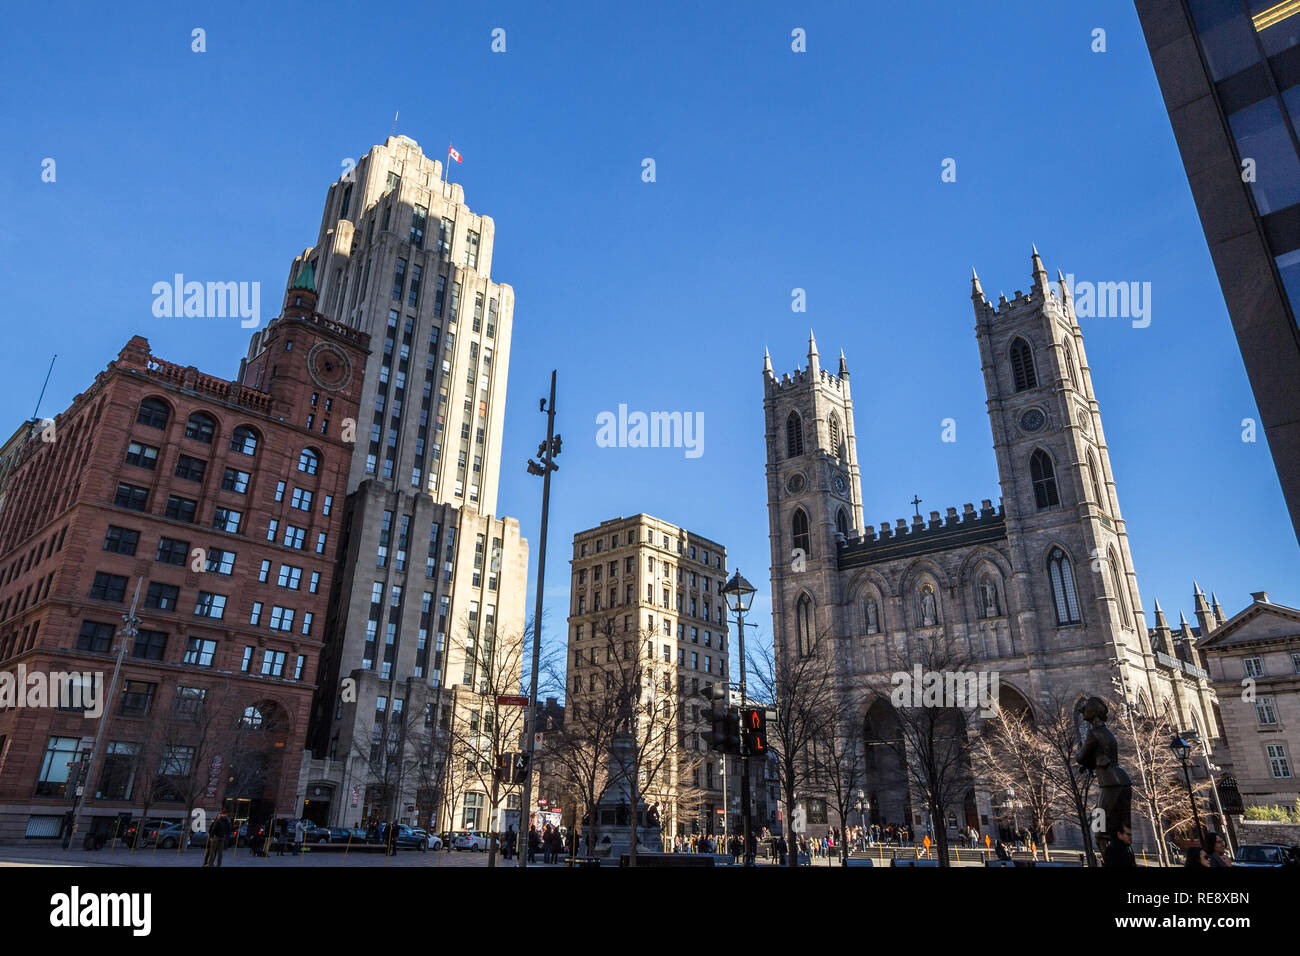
(814, 493)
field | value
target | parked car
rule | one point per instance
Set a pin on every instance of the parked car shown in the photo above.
(163, 835)
(1267, 854)
(347, 834)
(471, 840)
(405, 837)
(431, 840)
(152, 829)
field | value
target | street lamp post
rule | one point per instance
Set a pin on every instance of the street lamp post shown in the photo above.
(546, 452)
(1182, 750)
(739, 594)
(1193, 736)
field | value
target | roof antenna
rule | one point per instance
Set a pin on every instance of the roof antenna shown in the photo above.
(41, 397)
(395, 115)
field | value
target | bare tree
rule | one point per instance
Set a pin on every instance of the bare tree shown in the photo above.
(841, 770)
(801, 691)
(932, 743)
(196, 725)
(1010, 756)
(1057, 729)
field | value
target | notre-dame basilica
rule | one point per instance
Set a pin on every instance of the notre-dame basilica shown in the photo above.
(1040, 588)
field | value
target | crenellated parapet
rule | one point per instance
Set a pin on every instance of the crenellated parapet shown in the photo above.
(922, 536)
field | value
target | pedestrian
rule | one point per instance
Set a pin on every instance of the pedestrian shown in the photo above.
(557, 844)
(534, 844)
(282, 829)
(218, 833)
(1196, 858)
(780, 851)
(1119, 851)
(1217, 849)
(508, 844)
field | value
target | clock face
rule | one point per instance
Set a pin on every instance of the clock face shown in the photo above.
(329, 366)
(795, 484)
(1032, 420)
(839, 483)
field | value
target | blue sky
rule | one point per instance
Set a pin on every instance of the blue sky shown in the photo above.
(775, 170)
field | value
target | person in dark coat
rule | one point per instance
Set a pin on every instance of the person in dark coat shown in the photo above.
(1119, 851)
(508, 842)
(534, 844)
(218, 834)
(781, 851)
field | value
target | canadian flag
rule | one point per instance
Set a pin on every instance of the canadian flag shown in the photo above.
(453, 154)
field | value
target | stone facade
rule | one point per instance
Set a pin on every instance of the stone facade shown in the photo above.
(1254, 663)
(1040, 589)
(226, 506)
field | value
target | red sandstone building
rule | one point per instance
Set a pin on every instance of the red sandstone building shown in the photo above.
(223, 502)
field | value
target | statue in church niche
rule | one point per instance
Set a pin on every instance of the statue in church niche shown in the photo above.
(990, 593)
(873, 617)
(929, 615)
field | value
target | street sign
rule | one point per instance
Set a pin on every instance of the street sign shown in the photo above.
(507, 700)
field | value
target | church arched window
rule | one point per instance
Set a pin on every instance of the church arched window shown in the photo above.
(1022, 365)
(1117, 582)
(1095, 475)
(842, 522)
(833, 426)
(799, 529)
(793, 436)
(1043, 475)
(803, 619)
(1069, 364)
(1064, 599)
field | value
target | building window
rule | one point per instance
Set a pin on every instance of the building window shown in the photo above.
(180, 509)
(171, 551)
(799, 529)
(191, 469)
(282, 618)
(60, 757)
(200, 652)
(163, 597)
(142, 456)
(95, 637)
(1254, 666)
(153, 413)
(200, 428)
(1117, 582)
(1278, 764)
(793, 436)
(301, 499)
(1022, 365)
(108, 587)
(132, 497)
(308, 461)
(121, 540)
(222, 562)
(210, 605)
(236, 481)
(1266, 711)
(226, 519)
(137, 698)
(149, 645)
(1064, 599)
(471, 249)
(244, 441)
(1043, 476)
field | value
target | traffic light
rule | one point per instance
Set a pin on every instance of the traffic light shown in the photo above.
(520, 768)
(755, 721)
(501, 768)
(723, 734)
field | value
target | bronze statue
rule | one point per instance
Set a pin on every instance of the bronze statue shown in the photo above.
(1100, 755)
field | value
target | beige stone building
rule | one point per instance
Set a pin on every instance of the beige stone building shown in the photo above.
(658, 588)
(432, 576)
(1254, 663)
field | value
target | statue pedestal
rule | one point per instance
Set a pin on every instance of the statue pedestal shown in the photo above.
(616, 828)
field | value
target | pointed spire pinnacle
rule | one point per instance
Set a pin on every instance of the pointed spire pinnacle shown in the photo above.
(1182, 622)
(1196, 588)
(306, 278)
(814, 366)
(812, 343)
(767, 361)
(1160, 615)
(844, 365)
(1214, 599)
(976, 290)
(1040, 274)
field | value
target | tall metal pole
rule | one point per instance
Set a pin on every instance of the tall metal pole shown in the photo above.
(1214, 789)
(546, 456)
(1191, 797)
(746, 827)
(89, 776)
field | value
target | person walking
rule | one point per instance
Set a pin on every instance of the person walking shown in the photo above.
(534, 844)
(218, 833)
(780, 851)
(1119, 851)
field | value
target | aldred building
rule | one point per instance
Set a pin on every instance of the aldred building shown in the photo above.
(223, 501)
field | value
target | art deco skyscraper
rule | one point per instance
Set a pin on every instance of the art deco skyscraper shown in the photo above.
(430, 576)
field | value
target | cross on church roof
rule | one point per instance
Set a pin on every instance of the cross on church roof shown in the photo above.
(916, 503)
